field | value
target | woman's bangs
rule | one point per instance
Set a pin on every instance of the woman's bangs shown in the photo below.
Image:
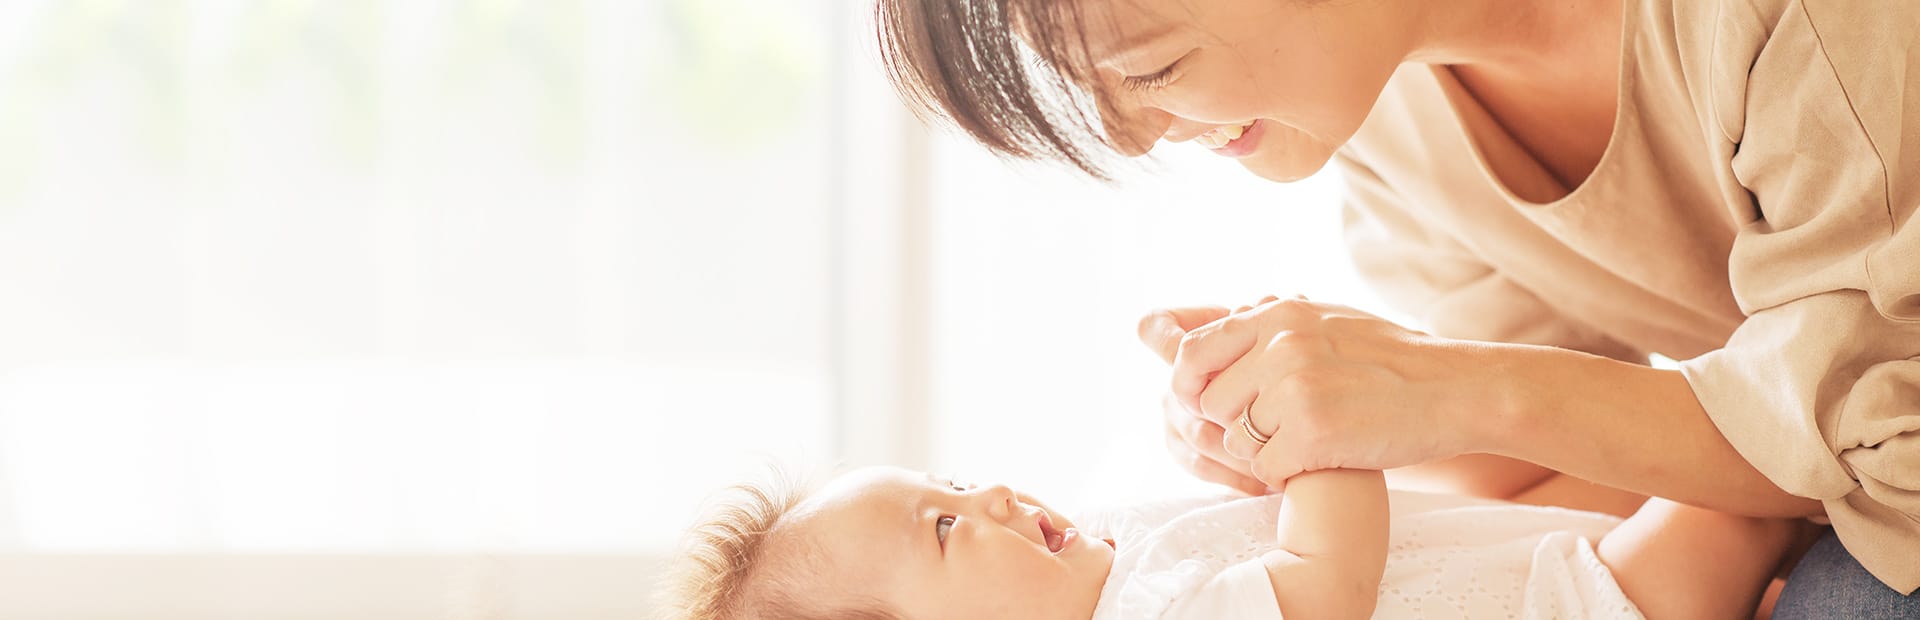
(967, 62)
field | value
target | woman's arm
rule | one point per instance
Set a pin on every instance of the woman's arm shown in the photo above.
(1340, 388)
(1622, 425)
(1333, 541)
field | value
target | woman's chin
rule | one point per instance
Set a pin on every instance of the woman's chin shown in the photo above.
(1293, 161)
(1282, 172)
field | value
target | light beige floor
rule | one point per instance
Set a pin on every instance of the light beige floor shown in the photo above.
(360, 587)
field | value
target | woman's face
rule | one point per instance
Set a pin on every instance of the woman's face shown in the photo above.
(1298, 75)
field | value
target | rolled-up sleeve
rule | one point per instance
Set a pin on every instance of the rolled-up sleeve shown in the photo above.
(1820, 388)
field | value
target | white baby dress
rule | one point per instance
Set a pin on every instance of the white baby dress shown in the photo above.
(1447, 557)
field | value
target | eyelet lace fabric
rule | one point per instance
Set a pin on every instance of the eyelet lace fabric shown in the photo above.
(1448, 557)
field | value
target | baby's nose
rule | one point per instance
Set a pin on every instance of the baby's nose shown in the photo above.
(999, 502)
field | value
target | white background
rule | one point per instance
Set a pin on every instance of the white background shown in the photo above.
(518, 277)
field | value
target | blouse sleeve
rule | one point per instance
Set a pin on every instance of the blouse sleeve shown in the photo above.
(1820, 388)
(1441, 283)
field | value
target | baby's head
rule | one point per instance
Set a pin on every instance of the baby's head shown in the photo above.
(885, 542)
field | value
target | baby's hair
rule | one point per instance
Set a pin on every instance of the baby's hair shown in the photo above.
(723, 572)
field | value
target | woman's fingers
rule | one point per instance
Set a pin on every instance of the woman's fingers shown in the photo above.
(1206, 350)
(1196, 444)
(1161, 330)
(1207, 468)
(1274, 340)
(1204, 436)
(1193, 430)
(1277, 461)
(1214, 472)
(1238, 442)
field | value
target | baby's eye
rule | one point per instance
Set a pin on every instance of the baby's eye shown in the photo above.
(954, 483)
(940, 529)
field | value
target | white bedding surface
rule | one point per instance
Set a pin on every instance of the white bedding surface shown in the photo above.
(1448, 557)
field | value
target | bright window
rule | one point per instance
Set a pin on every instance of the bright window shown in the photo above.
(446, 275)
(459, 275)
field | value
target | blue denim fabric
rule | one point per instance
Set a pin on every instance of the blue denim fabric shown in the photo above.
(1829, 583)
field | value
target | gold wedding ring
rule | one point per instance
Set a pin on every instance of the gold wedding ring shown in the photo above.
(1246, 424)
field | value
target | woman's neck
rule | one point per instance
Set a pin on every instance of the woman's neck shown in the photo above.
(1513, 39)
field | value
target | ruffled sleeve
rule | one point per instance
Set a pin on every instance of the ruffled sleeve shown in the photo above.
(1820, 388)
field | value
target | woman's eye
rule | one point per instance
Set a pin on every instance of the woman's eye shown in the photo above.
(940, 529)
(1149, 82)
(1142, 83)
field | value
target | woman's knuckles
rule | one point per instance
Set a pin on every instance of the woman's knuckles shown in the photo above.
(1296, 345)
(1309, 390)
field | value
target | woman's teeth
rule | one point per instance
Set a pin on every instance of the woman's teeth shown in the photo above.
(1220, 136)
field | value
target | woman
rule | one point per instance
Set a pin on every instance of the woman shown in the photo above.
(1557, 190)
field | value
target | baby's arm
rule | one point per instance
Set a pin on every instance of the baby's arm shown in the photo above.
(1678, 561)
(1472, 475)
(1333, 541)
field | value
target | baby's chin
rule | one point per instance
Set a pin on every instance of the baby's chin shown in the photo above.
(1093, 555)
(1101, 553)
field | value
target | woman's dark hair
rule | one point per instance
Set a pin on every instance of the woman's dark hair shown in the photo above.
(964, 61)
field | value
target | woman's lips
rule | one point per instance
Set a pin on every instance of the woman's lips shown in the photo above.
(1244, 145)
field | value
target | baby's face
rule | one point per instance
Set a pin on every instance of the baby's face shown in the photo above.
(934, 549)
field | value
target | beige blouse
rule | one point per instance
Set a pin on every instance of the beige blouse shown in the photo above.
(1752, 215)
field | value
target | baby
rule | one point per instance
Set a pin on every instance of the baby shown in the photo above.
(890, 543)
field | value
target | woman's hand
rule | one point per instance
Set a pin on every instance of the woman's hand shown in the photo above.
(1334, 387)
(1193, 441)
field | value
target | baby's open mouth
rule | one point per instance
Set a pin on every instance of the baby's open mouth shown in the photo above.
(1056, 539)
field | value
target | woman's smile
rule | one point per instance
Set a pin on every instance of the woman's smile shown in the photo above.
(1243, 144)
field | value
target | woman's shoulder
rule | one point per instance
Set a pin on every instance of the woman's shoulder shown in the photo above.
(1737, 52)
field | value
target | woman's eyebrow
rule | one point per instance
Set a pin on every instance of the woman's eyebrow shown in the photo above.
(1135, 45)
